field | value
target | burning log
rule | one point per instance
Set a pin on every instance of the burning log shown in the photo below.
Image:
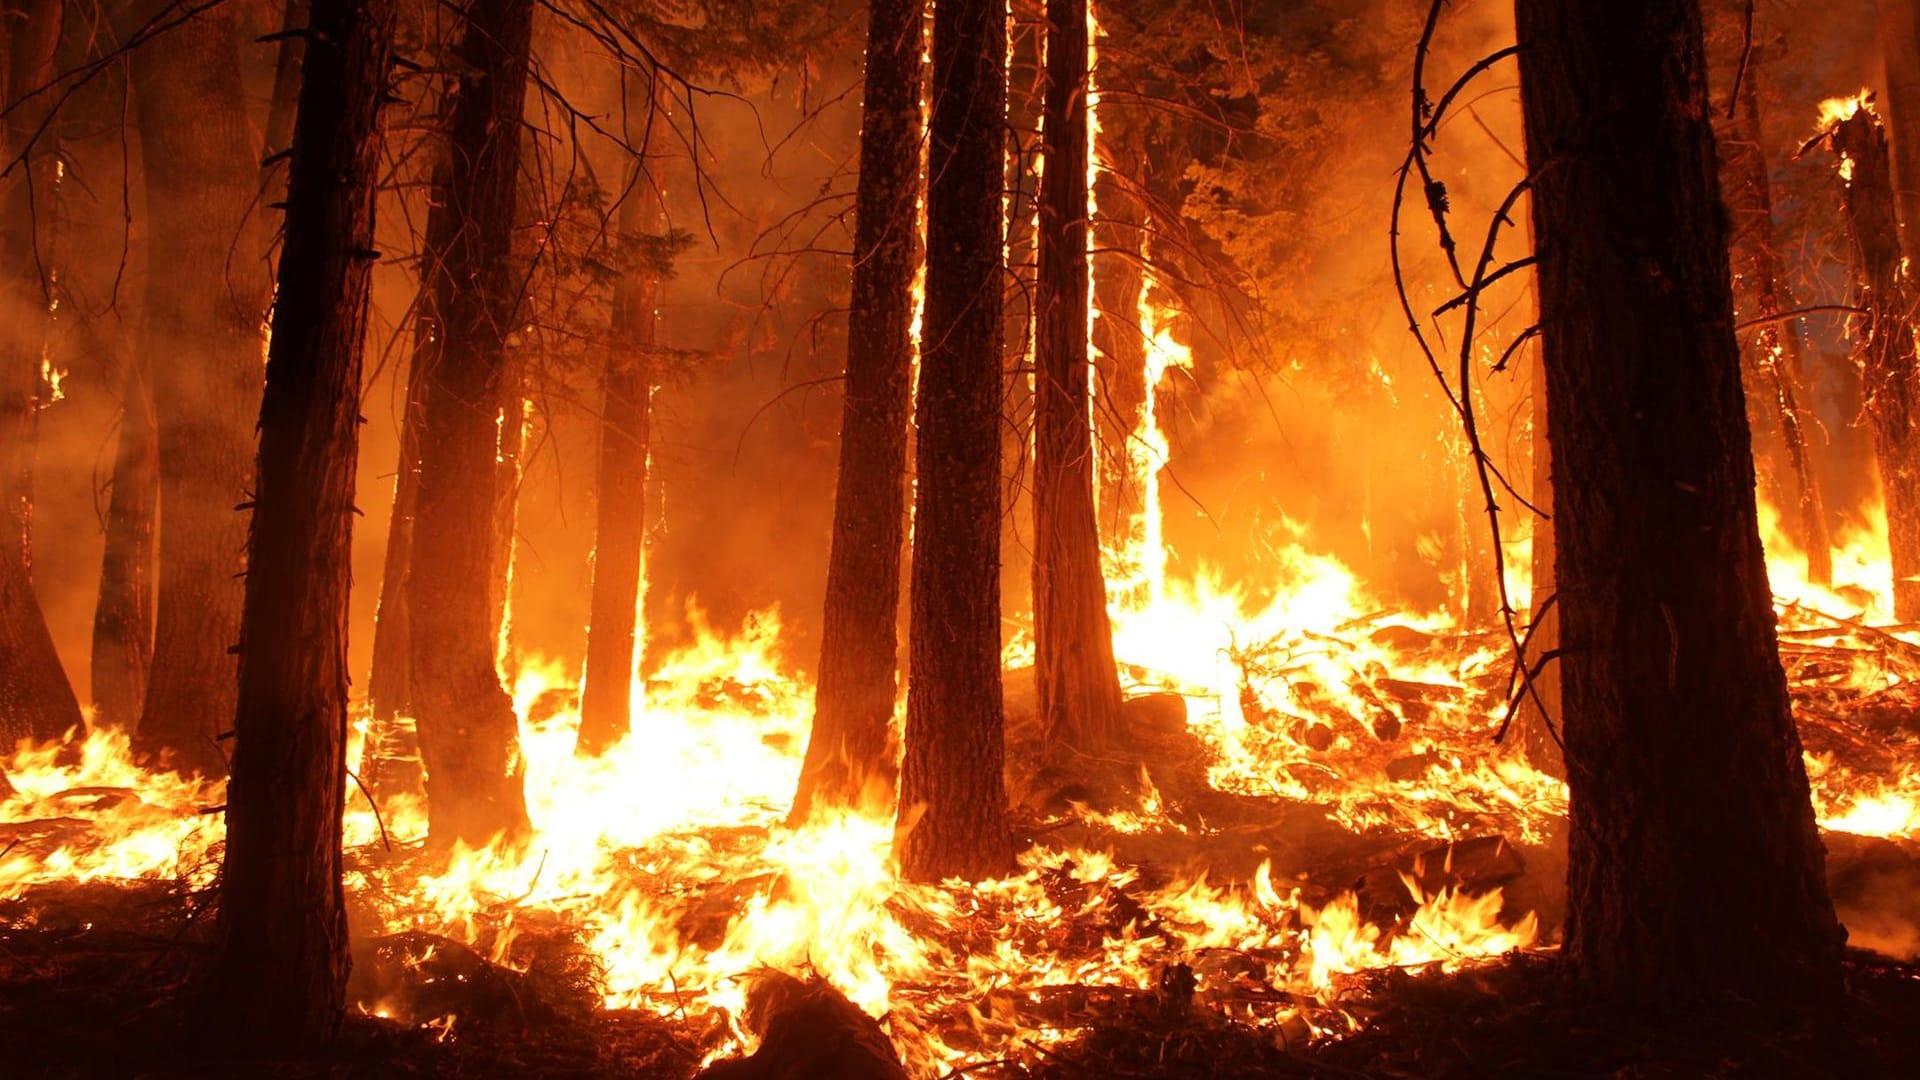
(809, 1029)
(1472, 866)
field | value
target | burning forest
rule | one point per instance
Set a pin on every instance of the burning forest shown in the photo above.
(1052, 538)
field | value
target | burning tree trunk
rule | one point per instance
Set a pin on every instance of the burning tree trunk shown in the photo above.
(280, 968)
(1900, 45)
(1079, 687)
(123, 615)
(201, 347)
(620, 522)
(1692, 837)
(952, 792)
(36, 700)
(469, 738)
(1775, 363)
(850, 753)
(1889, 378)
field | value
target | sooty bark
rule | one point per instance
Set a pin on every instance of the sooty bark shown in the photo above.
(952, 792)
(850, 755)
(1695, 867)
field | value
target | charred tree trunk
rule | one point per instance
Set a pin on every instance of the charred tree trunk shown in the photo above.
(123, 616)
(1691, 832)
(36, 700)
(1540, 702)
(850, 755)
(469, 738)
(1079, 686)
(1900, 45)
(1775, 364)
(509, 450)
(206, 295)
(952, 792)
(620, 521)
(279, 973)
(1890, 380)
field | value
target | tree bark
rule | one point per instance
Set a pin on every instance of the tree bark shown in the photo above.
(1119, 346)
(123, 616)
(952, 791)
(1889, 375)
(1691, 833)
(36, 700)
(1078, 684)
(391, 763)
(850, 756)
(279, 972)
(469, 739)
(620, 512)
(206, 295)
(1900, 46)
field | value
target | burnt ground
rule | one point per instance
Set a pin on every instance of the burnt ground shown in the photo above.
(95, 982)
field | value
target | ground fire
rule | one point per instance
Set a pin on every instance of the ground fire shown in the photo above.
(936, 538)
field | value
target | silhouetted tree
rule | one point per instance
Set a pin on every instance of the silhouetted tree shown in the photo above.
(953, 801)
(850, 754)
(620, 519)
(469, 739)
(122, 646)
(280, 965)
(1691, 833)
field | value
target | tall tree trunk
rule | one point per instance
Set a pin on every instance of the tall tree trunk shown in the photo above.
(1540, 704)
(123, 616)
(279, 974)
(469, 739)
(1691, 832)
(1775, 362)
(1119, 286)
(620, 512)
(509, 457)
(36, 700)
(391, 762)
(1900, 45)
(1890, 379)
(1079, 687)
(850, 756)
(952, 792)
(206, 294)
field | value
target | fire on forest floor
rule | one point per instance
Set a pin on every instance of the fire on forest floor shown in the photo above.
(1315, 800)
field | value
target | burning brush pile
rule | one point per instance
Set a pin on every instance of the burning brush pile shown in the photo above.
(1316, 805)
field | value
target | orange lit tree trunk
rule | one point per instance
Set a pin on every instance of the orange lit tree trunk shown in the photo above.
(1889, 374)
(620, 512)
(206, 295)
(1691, 833)
(1900, 46)
(123, 616)
(279, 973)
(1079, 687)
(392, 759)
(469, 739)
(1119, 285)
(953, 803)
(1775, 363)
(850, 753)
(36, 700)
